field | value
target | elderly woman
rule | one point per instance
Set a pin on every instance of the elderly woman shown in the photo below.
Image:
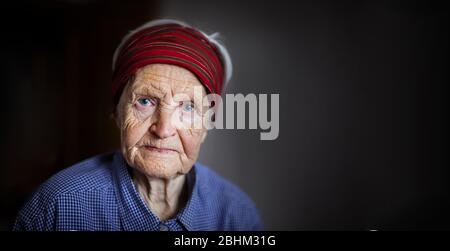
(154, 181)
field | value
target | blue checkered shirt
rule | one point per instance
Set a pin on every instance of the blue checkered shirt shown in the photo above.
(98, 194)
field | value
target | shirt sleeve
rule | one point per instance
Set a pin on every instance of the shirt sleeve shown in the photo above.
(36, 215)
(255, 222)
(246, 215)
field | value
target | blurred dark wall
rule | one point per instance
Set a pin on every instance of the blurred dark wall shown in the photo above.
(363, 110)
(55, 78)
(363, 103)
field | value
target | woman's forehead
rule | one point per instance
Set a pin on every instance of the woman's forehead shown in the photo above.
(166, 72)
(164, 78)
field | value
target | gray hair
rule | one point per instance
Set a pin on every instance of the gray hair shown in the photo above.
(213, 38)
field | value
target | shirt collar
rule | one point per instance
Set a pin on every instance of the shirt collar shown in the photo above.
(195, 214)
(137, 216)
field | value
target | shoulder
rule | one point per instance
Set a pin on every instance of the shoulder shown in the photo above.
(236, 205)
(93, 174)
(90, 174)
(219, 186)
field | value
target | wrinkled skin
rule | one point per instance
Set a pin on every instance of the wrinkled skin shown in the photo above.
(156, 115)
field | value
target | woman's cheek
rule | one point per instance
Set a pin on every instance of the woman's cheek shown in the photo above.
(190, 121)
(134, 129)
(191, 140)
(142, 113)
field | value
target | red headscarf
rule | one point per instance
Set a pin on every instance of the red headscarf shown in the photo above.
(170, 43)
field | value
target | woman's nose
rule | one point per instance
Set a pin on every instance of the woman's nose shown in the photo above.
(163, 126)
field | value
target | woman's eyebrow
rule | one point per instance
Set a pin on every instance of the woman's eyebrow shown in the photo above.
(147, 90)
(188, 89)
(187, 94)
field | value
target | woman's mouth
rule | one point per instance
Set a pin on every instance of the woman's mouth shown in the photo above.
(159, 150)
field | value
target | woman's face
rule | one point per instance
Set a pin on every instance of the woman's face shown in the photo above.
(161, 126)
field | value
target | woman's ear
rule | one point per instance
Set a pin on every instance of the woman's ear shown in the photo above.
(115, 116)
(118, 110)
(117, 121)
(204, 135)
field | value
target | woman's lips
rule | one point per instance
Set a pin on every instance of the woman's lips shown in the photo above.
(159, 150)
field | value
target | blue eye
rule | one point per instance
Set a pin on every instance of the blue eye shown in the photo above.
(188, 106)
(144, 101)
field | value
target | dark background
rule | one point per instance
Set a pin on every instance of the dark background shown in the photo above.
(363, 103)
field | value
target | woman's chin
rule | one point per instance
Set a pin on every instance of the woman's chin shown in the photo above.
(158, 170)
